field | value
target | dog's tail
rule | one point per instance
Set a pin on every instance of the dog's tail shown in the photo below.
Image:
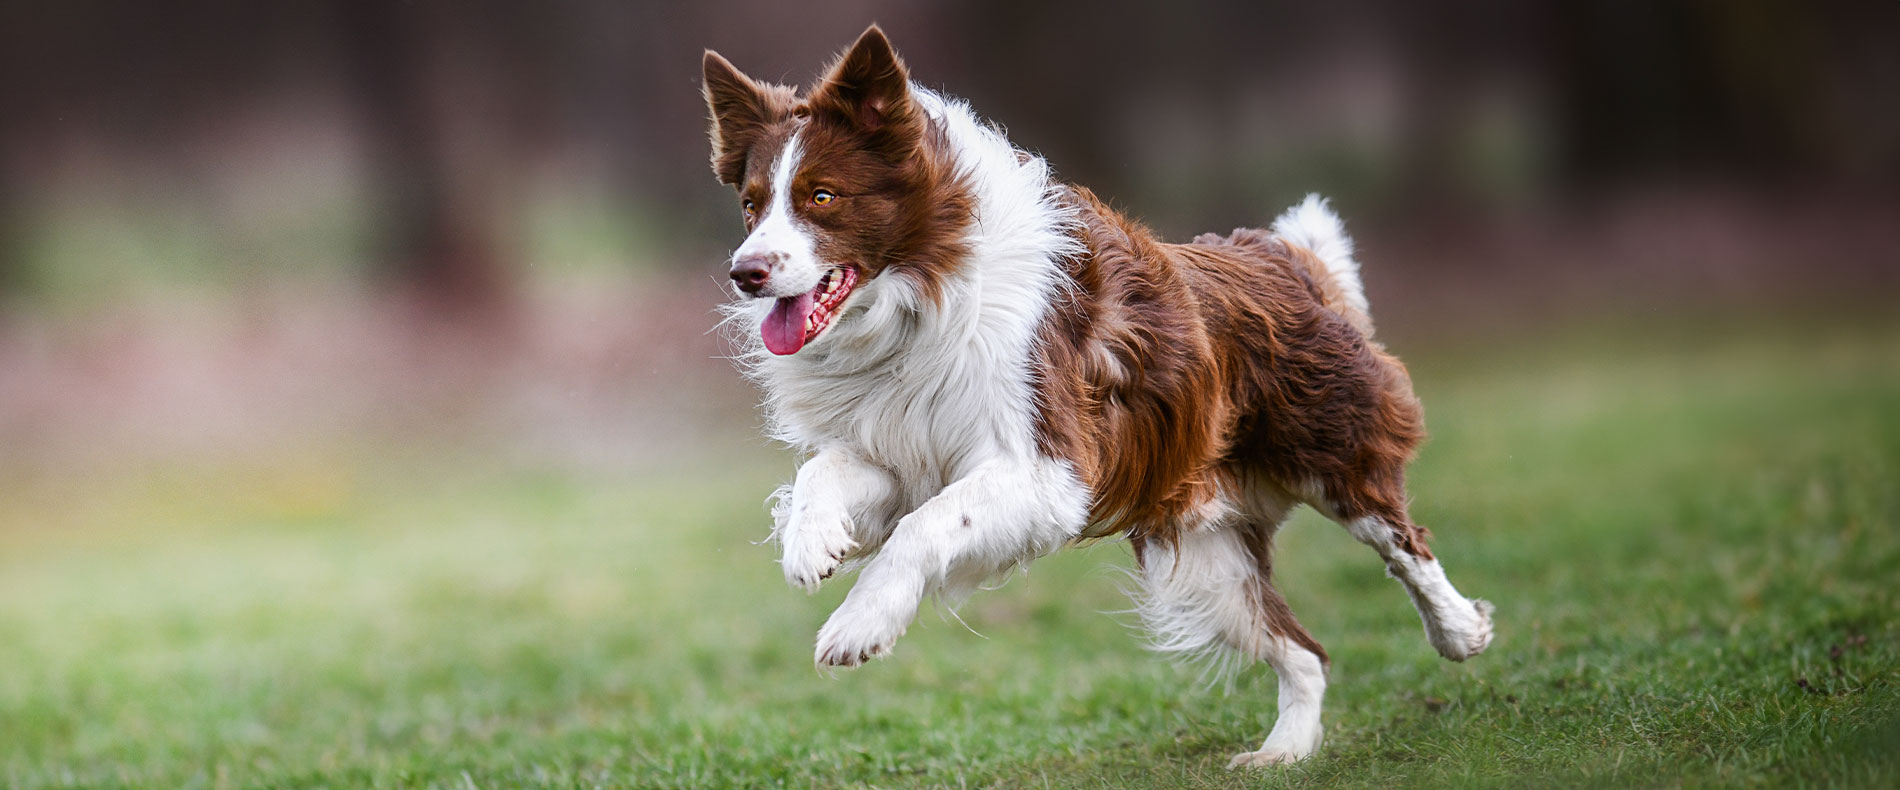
(1314, 227)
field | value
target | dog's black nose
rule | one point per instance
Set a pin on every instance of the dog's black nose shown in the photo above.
(752, 272)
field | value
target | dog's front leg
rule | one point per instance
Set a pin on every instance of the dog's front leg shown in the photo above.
(1002, 513)
(825, 515)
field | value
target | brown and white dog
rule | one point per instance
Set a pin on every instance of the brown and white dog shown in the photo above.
(985, 364)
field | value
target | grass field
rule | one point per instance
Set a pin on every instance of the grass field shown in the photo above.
(1692, 538)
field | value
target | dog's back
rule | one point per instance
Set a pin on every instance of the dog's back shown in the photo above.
(1174, 370)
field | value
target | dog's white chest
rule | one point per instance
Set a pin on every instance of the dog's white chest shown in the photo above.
(926, 424)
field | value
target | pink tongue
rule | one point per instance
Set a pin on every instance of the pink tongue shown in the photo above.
(784, 328)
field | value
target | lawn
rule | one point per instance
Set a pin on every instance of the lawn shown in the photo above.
(1692, 537)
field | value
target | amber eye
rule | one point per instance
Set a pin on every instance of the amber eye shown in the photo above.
(822, 197)
(748, 209)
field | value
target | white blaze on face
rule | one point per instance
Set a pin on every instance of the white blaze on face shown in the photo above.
(784, 242)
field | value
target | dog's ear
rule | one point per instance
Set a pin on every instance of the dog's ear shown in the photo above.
(741, 109)
(869, 89)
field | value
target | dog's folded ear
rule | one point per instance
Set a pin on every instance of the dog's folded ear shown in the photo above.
(869, 89)
(741, 109)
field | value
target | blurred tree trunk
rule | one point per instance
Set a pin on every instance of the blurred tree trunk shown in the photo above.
(12, 252)
(432, 234)
(1692, 87)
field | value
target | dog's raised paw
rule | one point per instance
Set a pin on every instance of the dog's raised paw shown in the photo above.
(841, 647)
(842, 656)
(812, 553)
(857, 633)
(1465, 634)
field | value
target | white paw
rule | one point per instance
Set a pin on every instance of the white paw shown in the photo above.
(1295, 737)
(1266, 757)
(863, 628)
(1463, 632)
(814, 544)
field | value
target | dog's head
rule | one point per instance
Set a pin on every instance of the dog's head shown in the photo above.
(840, 187)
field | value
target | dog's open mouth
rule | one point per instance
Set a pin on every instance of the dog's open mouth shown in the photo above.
(797, 320)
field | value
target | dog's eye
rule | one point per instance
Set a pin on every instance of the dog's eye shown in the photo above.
(748, 208)
(822, 197)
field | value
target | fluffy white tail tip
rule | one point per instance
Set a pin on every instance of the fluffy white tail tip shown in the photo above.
(1313, 225)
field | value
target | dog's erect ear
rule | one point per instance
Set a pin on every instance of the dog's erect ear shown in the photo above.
(869, 88)
(741, 109)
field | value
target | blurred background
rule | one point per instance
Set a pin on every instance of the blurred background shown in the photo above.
(233, 231)
(363, 421)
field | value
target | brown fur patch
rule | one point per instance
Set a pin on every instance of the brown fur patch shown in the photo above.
(742, 113)
(1177, 369)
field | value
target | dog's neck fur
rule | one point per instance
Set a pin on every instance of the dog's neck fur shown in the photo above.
(934, 386)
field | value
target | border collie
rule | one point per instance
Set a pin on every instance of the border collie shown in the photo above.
(984, 364)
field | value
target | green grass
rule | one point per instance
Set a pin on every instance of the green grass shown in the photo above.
(1691, 539)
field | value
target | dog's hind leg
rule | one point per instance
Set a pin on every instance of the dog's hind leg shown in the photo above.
(1375, 514)
(1211, 593)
